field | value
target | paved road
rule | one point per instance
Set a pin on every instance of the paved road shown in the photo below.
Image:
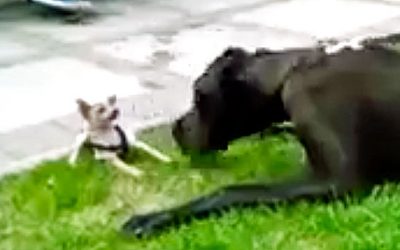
(145, 51)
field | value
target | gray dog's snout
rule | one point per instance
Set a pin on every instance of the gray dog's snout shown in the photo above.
(179, 125)
(177, 129)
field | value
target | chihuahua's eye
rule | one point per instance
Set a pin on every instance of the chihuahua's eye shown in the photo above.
(101, 110)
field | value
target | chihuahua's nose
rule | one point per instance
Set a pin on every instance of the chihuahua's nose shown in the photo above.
(114, 114)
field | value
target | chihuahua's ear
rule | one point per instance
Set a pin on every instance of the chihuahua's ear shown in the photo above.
(112, 99)
(83, 107)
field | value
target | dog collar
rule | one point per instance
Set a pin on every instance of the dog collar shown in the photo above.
(121, 148)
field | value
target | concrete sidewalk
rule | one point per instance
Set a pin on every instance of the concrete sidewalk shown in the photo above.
(146, 52)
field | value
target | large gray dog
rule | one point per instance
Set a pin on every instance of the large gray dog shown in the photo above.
(345, 108)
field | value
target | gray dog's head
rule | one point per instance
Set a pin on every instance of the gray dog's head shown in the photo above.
(237, 95)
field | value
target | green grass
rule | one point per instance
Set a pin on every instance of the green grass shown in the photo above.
(57, 207)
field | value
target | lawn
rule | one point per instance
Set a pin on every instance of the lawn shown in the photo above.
(57, 207)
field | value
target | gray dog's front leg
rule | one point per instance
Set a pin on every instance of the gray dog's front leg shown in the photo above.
(239, 195)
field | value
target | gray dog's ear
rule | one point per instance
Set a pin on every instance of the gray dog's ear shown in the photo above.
(112, 99)
(317, 58)
(83, 108)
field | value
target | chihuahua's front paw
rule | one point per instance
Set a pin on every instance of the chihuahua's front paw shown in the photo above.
(166, 159)
(136, 172)
(72, 161)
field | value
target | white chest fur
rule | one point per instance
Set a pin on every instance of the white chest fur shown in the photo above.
(106, 137)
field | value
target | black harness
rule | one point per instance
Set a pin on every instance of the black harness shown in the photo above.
(121, 149)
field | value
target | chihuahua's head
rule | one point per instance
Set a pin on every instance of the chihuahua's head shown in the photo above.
(99, 115)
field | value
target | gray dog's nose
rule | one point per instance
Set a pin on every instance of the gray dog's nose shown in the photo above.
(177, 132)
(177, 128)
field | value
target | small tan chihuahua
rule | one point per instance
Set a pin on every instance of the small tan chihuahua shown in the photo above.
(102, 133)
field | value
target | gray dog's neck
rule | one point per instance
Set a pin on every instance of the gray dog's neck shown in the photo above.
(286, 63)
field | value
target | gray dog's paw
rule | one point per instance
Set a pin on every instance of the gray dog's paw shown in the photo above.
(146, 225)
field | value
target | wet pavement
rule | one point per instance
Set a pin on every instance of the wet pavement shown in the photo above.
(147, 52)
